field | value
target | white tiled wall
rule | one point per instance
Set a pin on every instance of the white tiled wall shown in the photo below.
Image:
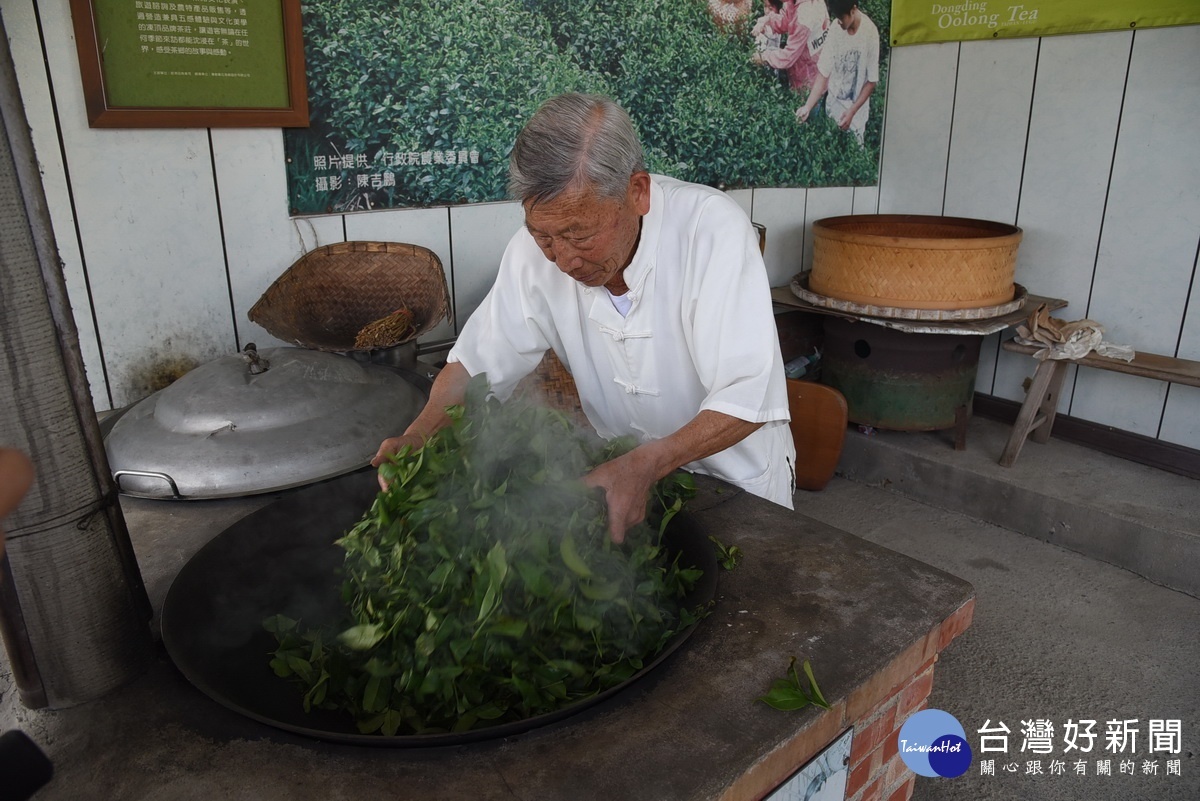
(1088, 142)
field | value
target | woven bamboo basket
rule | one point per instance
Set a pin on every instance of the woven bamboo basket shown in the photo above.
(551, 385)
(914, 261)
(389, 291)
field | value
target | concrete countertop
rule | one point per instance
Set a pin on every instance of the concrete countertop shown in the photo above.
(690, 730)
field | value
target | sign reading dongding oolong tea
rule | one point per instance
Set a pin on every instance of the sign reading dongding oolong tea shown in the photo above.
(923, 21)
(217, 55)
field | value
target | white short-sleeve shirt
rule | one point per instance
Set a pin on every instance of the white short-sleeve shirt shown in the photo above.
(699, 334)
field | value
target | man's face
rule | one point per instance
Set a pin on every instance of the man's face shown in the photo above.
(849, 21)
(591, 239)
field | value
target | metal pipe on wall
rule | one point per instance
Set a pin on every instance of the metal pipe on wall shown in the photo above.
(73, 609)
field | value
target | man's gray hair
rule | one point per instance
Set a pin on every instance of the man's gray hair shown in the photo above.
(575, 141)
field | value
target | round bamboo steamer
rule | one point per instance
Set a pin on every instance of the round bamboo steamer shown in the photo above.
(914, 261)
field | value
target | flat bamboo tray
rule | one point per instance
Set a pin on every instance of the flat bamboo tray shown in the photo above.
(800, 287)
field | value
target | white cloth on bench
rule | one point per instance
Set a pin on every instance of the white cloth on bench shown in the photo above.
(1059, 339)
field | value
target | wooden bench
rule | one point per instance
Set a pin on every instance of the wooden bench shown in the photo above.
(1036, 417)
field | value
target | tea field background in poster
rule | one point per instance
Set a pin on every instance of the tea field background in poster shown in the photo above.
(417, 103)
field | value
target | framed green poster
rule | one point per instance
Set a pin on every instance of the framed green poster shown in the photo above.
(204, 64)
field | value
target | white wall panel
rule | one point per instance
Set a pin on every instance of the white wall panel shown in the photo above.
(1072, 131)
(1181, 421)
(1181, 418)
(1147, 251)
(985, 377)
(147, 218)
(916, 132)
(153, 247)
(261, 241)
(429, 228)
(744, 198)
(991, 117)
(866, 200)
(25, 42)
(481, 233)
(822, 203)
(782, 212)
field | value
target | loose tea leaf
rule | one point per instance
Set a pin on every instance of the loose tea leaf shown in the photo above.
(790, 693)
(727, 555)
(482, 587)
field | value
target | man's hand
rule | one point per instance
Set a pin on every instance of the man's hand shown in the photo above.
(393, 445)
(448, 389)
(627, 481)
(820, 84)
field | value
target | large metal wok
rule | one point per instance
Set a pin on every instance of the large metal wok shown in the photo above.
(281, 559)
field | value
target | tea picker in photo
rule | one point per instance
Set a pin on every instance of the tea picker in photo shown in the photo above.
(789, 36)
(848, 69)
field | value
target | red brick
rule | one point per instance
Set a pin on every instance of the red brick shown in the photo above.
(956, 624)
(861, 774)
(891, 746)
(874, 791)
(904, 791)
(866, 770)
(897, 772)
(915, 693)
(879, 709)
(923, 705)
(898, 673)
(869, 737)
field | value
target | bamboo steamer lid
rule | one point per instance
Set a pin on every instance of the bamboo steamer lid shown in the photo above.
(914, 261)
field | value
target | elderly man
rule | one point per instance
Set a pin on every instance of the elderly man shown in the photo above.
(652, 293)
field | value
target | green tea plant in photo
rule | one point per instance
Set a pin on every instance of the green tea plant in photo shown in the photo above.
(482, 586)
(421, 77)
(433, 81)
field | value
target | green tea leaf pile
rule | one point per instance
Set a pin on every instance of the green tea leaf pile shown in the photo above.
(482, 586)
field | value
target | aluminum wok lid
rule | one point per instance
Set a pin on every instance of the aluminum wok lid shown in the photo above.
(230, 428)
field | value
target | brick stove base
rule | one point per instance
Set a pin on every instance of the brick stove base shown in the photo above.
(877, 710)
(877, 773)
